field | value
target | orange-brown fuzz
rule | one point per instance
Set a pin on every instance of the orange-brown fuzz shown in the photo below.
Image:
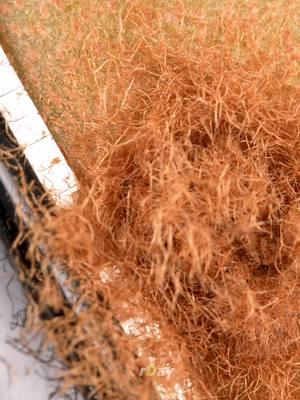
(187, 152)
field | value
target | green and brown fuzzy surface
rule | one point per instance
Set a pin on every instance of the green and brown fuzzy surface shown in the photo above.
(181, 120)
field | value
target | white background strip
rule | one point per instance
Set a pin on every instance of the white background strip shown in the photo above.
(32, 133)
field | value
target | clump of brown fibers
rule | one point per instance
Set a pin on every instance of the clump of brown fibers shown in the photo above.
(188, 213)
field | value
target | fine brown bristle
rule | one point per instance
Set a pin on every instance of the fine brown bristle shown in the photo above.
(186, 145)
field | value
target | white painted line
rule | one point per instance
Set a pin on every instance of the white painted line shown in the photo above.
(29, 130)
(32, 133)
(16, 105)
(50, 167)
(8, 80)
(3, 58)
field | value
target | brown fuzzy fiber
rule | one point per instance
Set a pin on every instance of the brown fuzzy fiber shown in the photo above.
(188, 206)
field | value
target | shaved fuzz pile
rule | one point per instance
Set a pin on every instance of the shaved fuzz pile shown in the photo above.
(187, 222)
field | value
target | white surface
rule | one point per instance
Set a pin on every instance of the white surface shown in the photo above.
(49, 165)
(3, 58)
(32, 133)
(11, 80)
(29, 129)
(20, 375)
(15, 104)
